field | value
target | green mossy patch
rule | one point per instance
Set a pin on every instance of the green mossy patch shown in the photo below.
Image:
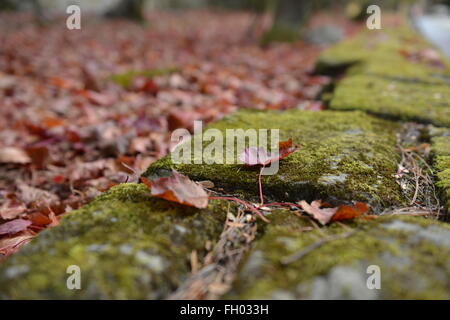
(125, 79)
(394, 99)
(413, 254)
(440, 149)
(127, 245)
(342, 156)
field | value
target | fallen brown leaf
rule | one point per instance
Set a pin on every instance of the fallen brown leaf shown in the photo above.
(325, 215)
(346, 212)
(8, 212)
(14, 155)
(14, 226)
(10, 245)
(178, 188)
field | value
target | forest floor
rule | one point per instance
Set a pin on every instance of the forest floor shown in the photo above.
(84, 110)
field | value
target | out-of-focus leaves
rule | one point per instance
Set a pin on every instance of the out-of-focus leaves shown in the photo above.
(13, 155)
(10, 245)
(14, 226)
(10, 211)
(31, 194)
(428, 56)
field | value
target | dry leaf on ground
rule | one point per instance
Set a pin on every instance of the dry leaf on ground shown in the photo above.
(178, 188)
(14, 155)
(10, 245)
(325, 215)
(14, 226)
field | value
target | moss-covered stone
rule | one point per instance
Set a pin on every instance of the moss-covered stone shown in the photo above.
(342, 156)
(413, 254)
(429, 103)
(382, 79)
(440, 149)
(384, 53)
(127, 245)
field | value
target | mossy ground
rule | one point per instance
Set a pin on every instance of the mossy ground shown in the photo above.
(413, 255)
(127, 245)
(342, 156)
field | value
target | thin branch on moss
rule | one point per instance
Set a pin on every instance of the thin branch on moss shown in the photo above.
(245, 204)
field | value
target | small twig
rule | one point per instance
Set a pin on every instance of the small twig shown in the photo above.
(247, 205)
(281, 204)
(216, 275)
(261, 200)
(194, 262)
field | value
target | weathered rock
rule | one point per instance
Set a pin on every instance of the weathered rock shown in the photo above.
(127, 245)
(440, 148)
(342, 156)
(413, 255)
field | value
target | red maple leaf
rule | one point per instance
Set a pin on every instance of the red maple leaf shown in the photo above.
(259, 156)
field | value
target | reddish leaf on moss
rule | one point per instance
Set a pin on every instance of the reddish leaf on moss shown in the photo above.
(346, 212)
(325, 215)
(259, 156)
(178, 188)
(39, 219)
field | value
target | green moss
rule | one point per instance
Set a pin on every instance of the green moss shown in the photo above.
(441, 143)
(127, 245)
(412, 253)
(125, 79)
(440, 150)
(342, 156)
(394, 99)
